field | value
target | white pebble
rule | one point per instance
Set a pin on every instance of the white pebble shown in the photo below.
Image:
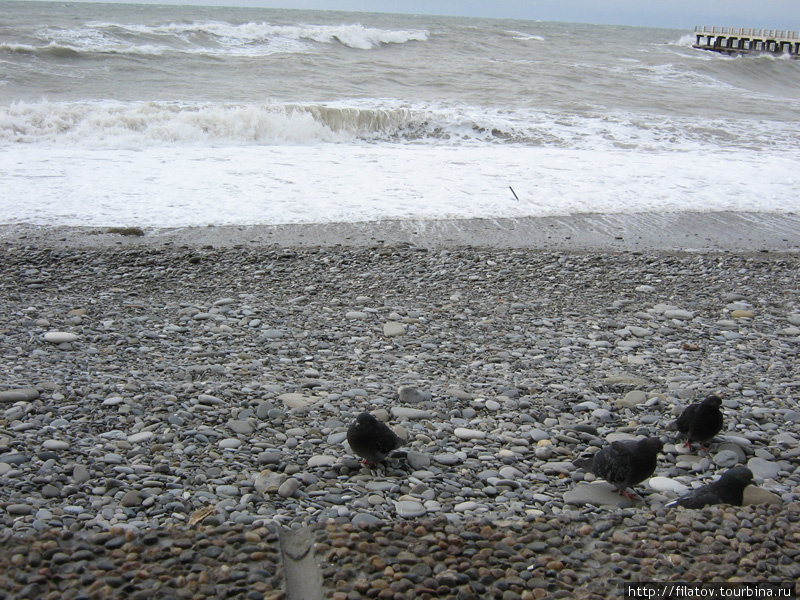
(469, 434)
(60, 337)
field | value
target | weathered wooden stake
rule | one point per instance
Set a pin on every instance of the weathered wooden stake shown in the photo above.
(301, 571)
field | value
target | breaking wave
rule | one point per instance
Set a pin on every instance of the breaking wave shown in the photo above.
(107, 124)
(213, 38)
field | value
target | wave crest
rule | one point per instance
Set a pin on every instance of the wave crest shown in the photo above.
(143, 124)
(112, 124)
(214, 38)
(153, 123)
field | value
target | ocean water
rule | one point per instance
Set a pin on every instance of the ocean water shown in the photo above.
(165, 116)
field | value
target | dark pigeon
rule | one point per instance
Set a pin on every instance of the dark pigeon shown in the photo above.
(371, 439)
(701, 421)
(625, 463)
(728, 489)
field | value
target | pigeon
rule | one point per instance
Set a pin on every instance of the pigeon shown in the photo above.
(728, 489)
(625, 463)
(371, 439)
(701, 421)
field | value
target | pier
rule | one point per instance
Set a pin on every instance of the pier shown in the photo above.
(733, 40)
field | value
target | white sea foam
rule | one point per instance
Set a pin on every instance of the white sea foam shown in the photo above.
(214, 38)
(166, 186)
(526, 37)
(143, 124)
(115, 115)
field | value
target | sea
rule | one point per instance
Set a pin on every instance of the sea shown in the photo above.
(172, 116)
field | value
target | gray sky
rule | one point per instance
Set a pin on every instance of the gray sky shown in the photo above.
(679, 14)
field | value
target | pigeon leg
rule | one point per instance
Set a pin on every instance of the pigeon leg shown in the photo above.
(630, 496)
(688, 444)
(368, 463)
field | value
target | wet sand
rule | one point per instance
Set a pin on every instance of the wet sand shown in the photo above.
(644, 232)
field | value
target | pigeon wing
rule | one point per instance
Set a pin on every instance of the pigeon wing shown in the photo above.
(386, 440)
(684, 421)
(702, 496)
(614, 464)
(707, 424)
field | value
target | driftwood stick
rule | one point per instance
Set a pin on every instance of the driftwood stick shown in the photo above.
(301, 571)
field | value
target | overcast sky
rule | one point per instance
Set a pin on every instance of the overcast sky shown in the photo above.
(680, 14)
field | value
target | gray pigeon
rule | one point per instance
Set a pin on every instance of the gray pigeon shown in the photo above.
(371, 439)
(625, 463)
(701, 421)
(728, 489)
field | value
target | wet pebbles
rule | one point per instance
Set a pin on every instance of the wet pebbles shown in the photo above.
(203, 394)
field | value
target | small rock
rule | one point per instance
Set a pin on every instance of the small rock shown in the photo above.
(631, 399)
(55, 444)
(597, 494)
(19, 395)
(726, 458)
(60, 337)
(763, 469)
(758, 495)
(19, 509)
(677, 313)
(409, 509)
(402, 412)
(665, 484)
(295, 400)
(393, 329)
(238, 426)
(408, 394)
(130, 499)
(80, 474)
(463, 433)
(743, 314)
(321, 460)
(620, 537)
(288, 487)
(465, 506)
(141, 436)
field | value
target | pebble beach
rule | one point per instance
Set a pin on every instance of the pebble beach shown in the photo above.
(168, 403)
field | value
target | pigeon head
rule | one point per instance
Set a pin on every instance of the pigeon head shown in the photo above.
(652, 445)
(713, 402)
(739, 475)
(365, 421)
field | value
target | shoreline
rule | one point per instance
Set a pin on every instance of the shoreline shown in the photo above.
(683, 231)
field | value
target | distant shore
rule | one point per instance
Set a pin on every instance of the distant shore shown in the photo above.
(697, 231)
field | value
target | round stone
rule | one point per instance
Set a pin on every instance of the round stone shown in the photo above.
(465, 506)
(726, 458)
(141, 436)
(665, 484)
(393, 329)
(60, 337)
(410, 509)
(763, 469)
(321, 461)
(55, 444)
(469, 434)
